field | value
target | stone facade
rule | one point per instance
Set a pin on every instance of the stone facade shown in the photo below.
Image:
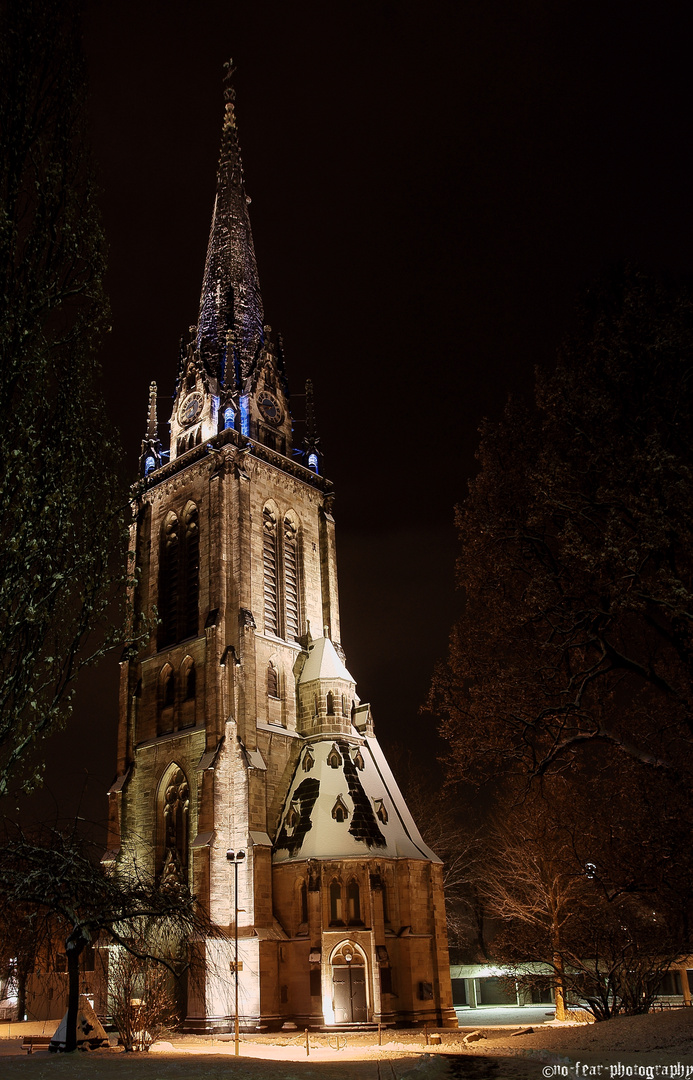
(240, 727)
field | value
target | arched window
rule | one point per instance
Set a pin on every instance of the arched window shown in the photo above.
(336, 902)
(149, 465)
(245, 416)
(189, 679)
(313, 461)
(179, 576)
(330, 703)
(386, 910)
(291, 575)
(272, 680)
(169, 690)
(166, 698)
(353, 902)
(229, 417)
(269, 563)
(174, 801)
(168, 580)
(192, 571)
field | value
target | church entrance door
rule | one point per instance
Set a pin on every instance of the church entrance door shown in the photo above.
(349, 983)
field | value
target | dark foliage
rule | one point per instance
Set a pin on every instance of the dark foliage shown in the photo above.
(53, 888)
(60, 502)
(576, 555)
(567, 689)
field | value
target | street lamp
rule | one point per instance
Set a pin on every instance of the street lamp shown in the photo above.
(235, 857)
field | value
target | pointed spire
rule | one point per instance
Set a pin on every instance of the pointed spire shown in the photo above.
(152, 423)
(311, 441)
(230, 305)
(150, 456)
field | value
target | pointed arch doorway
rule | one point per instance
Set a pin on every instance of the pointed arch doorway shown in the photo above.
(349, 985)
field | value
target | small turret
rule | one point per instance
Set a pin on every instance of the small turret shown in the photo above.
(326, 691)
(311, 442)
(150, 456)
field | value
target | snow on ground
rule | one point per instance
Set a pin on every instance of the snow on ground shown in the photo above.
(648, 1046)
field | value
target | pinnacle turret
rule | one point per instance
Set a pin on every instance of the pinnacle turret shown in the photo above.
(311, 441)
(230, 323)
(150, 456)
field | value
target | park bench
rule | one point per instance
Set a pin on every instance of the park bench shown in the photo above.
(30, 1042)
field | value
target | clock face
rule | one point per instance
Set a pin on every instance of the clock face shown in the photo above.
(270, 408)
(190, 408)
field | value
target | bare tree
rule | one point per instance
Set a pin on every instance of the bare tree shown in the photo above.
(53, 881)
(576, 555)
(578, 900)
(142, 1000)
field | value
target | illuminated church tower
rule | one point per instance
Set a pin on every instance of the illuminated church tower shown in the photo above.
(240, 726)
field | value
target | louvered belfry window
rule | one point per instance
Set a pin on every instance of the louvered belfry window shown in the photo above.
(281, 563)
(269, 560)
(291, 592)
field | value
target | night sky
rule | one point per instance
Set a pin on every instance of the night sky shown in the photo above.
(432, 186)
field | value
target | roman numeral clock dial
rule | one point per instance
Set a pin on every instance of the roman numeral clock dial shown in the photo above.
(190, 409)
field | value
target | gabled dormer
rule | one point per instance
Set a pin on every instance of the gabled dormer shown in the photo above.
(265, 400)
(195, 416)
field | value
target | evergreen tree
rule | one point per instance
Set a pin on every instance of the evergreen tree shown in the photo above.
(60, 500)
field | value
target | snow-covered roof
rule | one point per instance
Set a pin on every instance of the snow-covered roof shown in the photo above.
(344, 801)
(323, 663)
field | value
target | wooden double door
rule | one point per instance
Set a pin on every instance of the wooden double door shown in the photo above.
(349, 988)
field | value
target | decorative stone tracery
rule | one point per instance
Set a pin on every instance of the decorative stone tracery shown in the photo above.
(175, 812)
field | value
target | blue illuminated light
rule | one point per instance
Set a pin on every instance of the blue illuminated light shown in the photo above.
(313, 462)
(229, 417)
(149, 465)
(245, 419)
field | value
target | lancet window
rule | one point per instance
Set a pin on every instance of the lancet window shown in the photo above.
(179, 576)
(272, 681)
(175, 809)
(353, 901)
(166, 693)
(168, 580)
(336, 902)
(192, 568)
(189, 679)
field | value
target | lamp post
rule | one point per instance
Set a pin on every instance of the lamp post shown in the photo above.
(235, 857)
